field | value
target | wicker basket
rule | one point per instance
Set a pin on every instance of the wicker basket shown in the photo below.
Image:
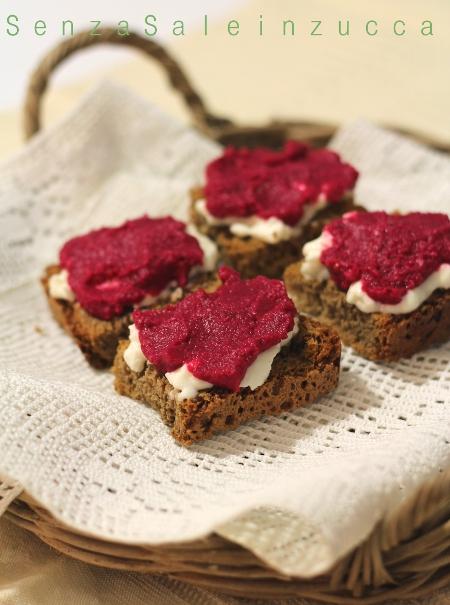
(407, 553)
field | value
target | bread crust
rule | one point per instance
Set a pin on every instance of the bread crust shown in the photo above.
(251, 256)
(97, 338)
(376, 336)
(303, 370)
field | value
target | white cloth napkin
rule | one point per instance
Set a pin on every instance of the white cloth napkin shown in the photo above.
(301, 489)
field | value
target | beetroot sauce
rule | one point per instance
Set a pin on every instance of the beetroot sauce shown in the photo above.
(389, 253)
(219, 334)
(111, 269)
(265, 183)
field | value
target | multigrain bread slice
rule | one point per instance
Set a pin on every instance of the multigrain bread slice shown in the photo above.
(97, 338)
(376, 336)
(251, 256)
(303, 370)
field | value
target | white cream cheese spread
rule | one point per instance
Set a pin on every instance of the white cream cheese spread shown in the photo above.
(58, 286)
(271, 230)
(312, 269)
(187, 386)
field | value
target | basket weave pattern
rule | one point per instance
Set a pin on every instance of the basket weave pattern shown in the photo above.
(406, 555)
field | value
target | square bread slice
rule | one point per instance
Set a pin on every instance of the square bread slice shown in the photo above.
(251, 256)
(303, 370)
(97, 338)
(376, 336)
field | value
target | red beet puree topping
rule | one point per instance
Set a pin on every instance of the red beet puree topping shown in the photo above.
(389, 253)
(219, 334)
(266, 183)
(111, 269)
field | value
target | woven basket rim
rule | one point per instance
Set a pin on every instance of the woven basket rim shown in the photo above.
(405, 556)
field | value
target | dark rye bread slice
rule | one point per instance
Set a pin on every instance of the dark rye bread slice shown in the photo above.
(376, 336)
(98, 339)
(251, 256)
(303, 370)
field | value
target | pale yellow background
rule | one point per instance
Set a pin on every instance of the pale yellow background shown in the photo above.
(402, 81)
(396, 80)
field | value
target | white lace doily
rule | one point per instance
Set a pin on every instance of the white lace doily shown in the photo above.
(300, 489)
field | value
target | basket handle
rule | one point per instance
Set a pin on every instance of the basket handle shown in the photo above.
(221, 129)
(202, 117)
